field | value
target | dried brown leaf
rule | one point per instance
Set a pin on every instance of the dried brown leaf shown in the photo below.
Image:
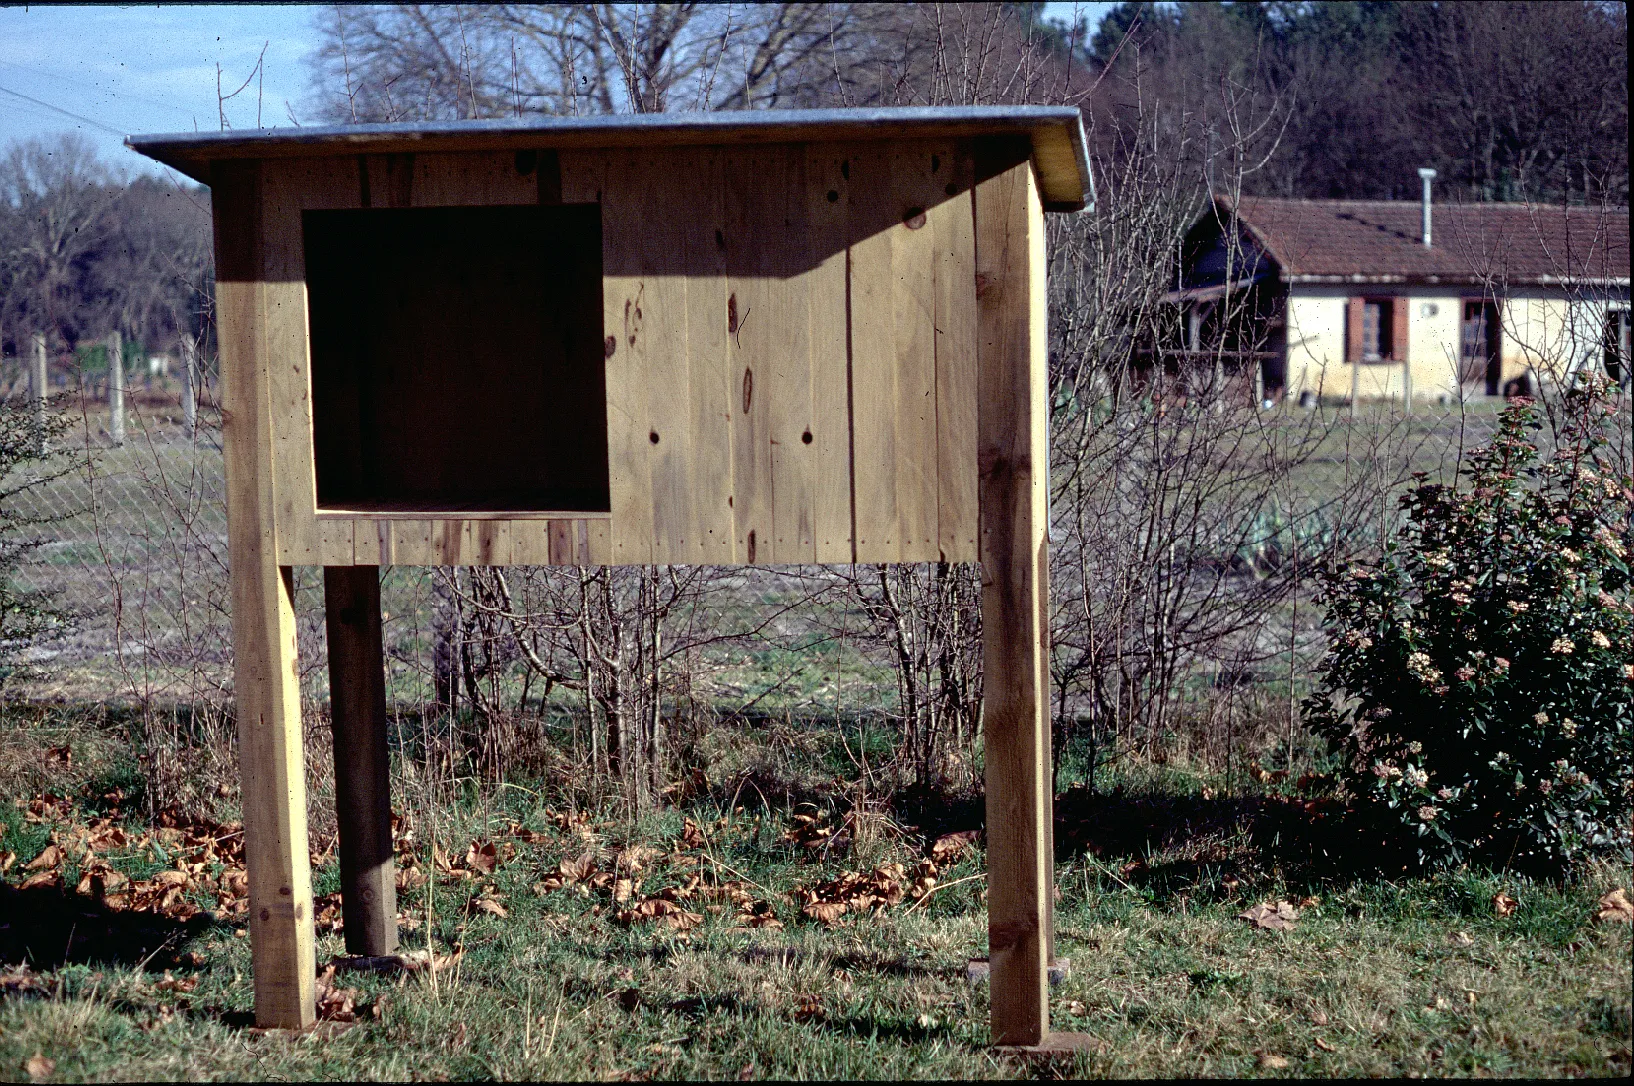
(1503, 904)
(1616, 908)
(1272, 917)
(824, 912)
(39, 1067)
(49, 858)
(950, 846)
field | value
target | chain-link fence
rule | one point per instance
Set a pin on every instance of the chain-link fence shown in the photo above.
(133, 542)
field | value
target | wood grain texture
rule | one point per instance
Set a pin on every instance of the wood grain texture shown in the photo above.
(953, 227)
(826, 308)
(712, 381)
(480, 179)
(357, 684)
(625, 192)
(758, 326)
(916, 183)
(266, 693)
(1014, 477)
(871, 215)
(288, 188)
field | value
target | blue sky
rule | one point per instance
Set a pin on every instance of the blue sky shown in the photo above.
(120, 70)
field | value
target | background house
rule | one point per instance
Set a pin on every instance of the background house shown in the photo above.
(1343, 298)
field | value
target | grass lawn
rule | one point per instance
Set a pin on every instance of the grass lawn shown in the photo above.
(560, 972)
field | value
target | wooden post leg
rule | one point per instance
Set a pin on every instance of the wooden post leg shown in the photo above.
(357, 699)
(273, 770)
(1014, 463)
(265, 691)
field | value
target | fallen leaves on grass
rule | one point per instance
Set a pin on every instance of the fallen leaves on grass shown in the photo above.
(1503, 904)
(1461, 939)
(19, 979)
(1272, 1062)
(1272, 917)
(581, 872)
(663, 911)
(482, 858)
(178, 985)
(39, 1067)
(1324, 1046)
(950, 846)
(490, 905)
(851, 891)
(1615, 908)
(335, 1004)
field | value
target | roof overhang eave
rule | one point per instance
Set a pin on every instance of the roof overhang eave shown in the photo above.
(1059, 149)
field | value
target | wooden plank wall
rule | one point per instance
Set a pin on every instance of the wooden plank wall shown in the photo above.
(790, 336)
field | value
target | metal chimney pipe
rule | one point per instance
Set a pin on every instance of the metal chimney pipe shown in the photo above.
(1428, 175)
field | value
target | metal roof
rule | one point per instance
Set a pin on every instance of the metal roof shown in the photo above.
(1056, 132)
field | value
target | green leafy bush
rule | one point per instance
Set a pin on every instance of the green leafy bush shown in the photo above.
(1478, 689)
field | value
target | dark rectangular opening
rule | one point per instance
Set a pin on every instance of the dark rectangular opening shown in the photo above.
(457, 360)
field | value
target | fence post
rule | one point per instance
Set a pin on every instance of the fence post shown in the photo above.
(37, 391)
(116, 387)
(190, 394)
(1407, 386)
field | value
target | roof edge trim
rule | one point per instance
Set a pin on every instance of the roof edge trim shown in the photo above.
(1057, 134)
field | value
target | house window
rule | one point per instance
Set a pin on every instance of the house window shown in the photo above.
(1615, 344)
(1376, 327)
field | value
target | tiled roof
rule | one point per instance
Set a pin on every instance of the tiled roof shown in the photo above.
(1380, 241)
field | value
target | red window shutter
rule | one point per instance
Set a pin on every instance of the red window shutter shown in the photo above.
(1353, 330)
(1398, 329)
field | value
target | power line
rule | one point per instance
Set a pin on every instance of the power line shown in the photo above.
(65, 112)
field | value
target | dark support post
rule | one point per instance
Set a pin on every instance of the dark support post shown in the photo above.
(357, 697)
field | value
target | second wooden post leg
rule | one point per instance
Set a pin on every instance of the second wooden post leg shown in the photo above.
(357, 698)
(1014, 466)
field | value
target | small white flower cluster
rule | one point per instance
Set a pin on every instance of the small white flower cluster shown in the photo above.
(1419, 664)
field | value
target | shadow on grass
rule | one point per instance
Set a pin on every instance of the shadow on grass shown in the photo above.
(1188, 844)
(48, 927)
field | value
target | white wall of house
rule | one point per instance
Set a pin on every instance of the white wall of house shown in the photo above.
(1556, 334)
(1548, 331)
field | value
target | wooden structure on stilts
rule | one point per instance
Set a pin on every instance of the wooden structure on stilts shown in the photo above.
(755, 337)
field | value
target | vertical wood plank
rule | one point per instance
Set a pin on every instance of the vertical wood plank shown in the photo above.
(914, 179)
(335, 545)
(357, 700)
(493, 541)
(954, 229)
(790, 358)
(530, 543)
(452, 543)
(561, 543)
(1014, 466)
(825, 290)
(871, 207)
(711, 382)
(599, 543)
(290, 186)
(474, 178)
(411, 543)
(755, 181)
(625, 193)
(366, 539)
(266, 694)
